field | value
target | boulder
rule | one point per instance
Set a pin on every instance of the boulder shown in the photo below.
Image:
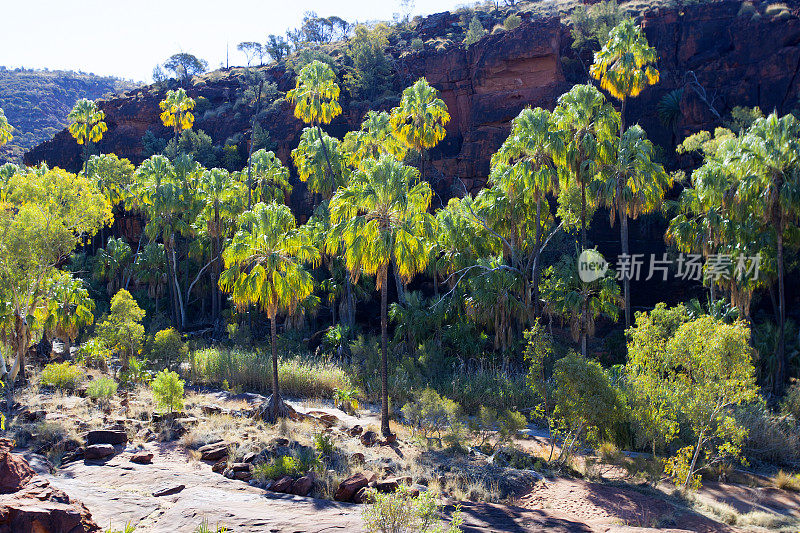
(283, 484)
(106, 436)
(213, 452)
(326, 419)
(242, 475)
(360, 496)
(168, 490)
(240, 467)
(388, 485)
(98, 451)
(15, 472)
(142, 458)
(348, 488)
(302, 486)
(355, 431)
(40, 508)
(357, 457)
(220, 466)
(369, 438)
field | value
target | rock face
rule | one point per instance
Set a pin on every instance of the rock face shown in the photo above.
(736, 59)
(15, 472)
(107, 436)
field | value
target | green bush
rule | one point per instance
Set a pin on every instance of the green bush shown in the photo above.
(417, 44)
(434, 416)
(93, 354)
(512, 21)
(167, 350)
(401, 512)
(64, 376)
(285, 465)
(101, 389)
(252, 370)
(324, 444)
(791, 402)
(167, 389)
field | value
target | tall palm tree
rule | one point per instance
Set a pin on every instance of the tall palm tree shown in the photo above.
(150, 269)
(264, 266)
(316, 99)
(87, 125)
(624, 64)
(631, 184)
(319, 162)
(5, 129)
(69, 308)
(420, 119)
(770, 156)
(176, 111)
(270, 178)
(375, 138)
(112, 263)
(380, 218)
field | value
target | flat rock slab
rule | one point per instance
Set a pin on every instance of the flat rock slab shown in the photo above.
(168, 491)
(106, 436)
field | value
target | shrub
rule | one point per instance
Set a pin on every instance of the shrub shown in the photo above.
(501, 427)
(102, 389)
(791, 402)
(400, 512)
(346, 400)
(278, 467)
(63, 376)
(168, 390)
(512, 21)
(474, 32)
(417, 44)
(785, 481)
(324, 444)
(432, 414)
(122, 330)
(93, 354)
(167, 349)
(770, 438)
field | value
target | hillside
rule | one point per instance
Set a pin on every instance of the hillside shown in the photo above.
(37, 102)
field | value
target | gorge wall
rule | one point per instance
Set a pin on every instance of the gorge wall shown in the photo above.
(722, 54)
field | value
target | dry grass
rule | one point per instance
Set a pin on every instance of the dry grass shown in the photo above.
(786, 481)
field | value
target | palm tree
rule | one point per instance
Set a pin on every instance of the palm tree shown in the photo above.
(149, 268)
(69, 308)
(5, 129)
(630, 185)
(270, 178)
(380, 218)
(112, 263)
(420, 119)
(319, 162)
(264, 266)
(375, 138)
(87, 125)
(624, 64)
(770, 157)
(316, 99)
(580, 302)
(176, 111)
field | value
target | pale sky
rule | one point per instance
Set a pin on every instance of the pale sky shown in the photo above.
(127, 39)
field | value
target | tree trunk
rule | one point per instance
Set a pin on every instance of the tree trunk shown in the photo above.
(584, 309)
(385, 431)
(250, 151)
(780, 370)
(694, 461)
(325, 151)
(537, 252)
(276, 394)
(626, 282)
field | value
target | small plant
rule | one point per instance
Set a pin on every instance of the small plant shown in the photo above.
(785, 481)
(93, 354)
(324, 444)
(346, 400)
(400, 512)
(62, 376)
(167, 349)
(512, 21)
(102, 389)
(127, 528)
(433, 416)
(168, 390)
(417, 44)
(205, 528)
(501, 427)
(278, 467)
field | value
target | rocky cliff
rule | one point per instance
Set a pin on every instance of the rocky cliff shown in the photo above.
(722, 54)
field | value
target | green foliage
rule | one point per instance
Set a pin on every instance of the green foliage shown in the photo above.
(512, 21)
(167, 349)
(62, 376)
(346, 399)
(371, 74)
(93, 354)
(122, 330)
(205, 528)
(284, 465)
(167, 390)
(127, 528)
(791, 402)
(493, 429)
(591, 25)
(101, 389)
(401, 512)
(474, 32)
(324, 444)
(184, 65)
(433, 416)
(417, 44)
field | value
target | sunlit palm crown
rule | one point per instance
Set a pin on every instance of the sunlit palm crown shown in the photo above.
(161, 190)
(624, 64)
(316, 94)
(69, 307)
(86, 122)
(5, 129)
(312, 165)
(177, 110)
(420, 118)
(375, 138)
(381, 217)
(270, 176)
(264, 262)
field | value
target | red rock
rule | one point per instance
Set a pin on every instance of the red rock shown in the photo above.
(15, 472)
(98, 451)
(357, 457)
(214, 451)
(168, 491)
(360, 496)
(302, 486)
(142, 458)
(355, 431)
(283, 484)
(369, 438)
(106, 436)
(242, 475)
(219, 466)
(388, 484)
(348, 488)
(40, 508)
(240, 467)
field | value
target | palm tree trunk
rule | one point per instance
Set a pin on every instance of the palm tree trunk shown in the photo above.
(537, 252)
(626, 281)
(385, 431)
(276, 395)
(584, 309)
(250, 151)
(780, 371)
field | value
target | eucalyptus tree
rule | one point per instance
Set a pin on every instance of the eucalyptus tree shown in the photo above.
(381, 218)
(420, 119)
(316, 101)
(176, 111)
(87, 125)
(5, 129)
(264, 267)
(631, 184)
(624, 65)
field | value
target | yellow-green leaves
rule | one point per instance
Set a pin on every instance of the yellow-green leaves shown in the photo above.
(5, 129)
(264, 262)
(87, 122)
(316, 95)
(375, 138)
(624, 64)
(319, 162)
(177, 110)
(420, 118)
